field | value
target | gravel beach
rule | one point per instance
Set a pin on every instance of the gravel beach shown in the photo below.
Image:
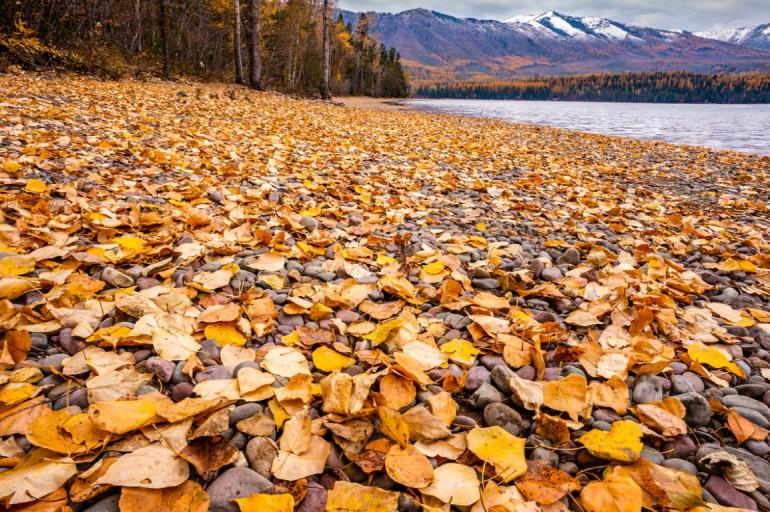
(209, 294)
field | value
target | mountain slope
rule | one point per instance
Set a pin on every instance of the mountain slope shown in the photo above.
(438, 46)
(753, 37)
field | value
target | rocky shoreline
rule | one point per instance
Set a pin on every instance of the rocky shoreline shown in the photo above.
(348, 308)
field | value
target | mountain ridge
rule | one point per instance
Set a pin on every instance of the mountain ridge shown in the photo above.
(757, 37)
(438, 46)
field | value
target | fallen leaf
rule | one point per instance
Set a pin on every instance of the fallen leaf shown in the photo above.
(290, 466)
(39, 474)
(266, 503)
(122, 416)
(454, 484)
(566, 395)
(545, 484)
(328, 360)
(622, 443)
(614, 494)
(352, 497)
(187, 497)
(499, 448)
(407, 466)
(714, 358)
(152, 467)
(209, 454)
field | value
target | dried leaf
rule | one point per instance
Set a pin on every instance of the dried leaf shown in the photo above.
(622, 443)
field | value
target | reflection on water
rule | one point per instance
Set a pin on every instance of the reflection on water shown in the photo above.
(736, 127)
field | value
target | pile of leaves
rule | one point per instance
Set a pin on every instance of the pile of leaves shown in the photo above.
(189, 269)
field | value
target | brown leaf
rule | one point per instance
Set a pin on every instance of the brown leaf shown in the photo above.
(209, 454)
(187, 497)
(545, 484)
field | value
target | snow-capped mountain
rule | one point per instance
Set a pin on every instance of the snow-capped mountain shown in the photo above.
(554, 24)
(753, 37)
(434, 44)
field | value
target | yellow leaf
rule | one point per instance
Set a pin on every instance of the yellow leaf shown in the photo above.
(122, 416)
(13, 266)
(266, 503)
(461, 352)
(714, 358)
(616, 494)
(224, 334)
(383, 259)
(351, 497)
(11, 394)
(383, 330)
(481, 226)
(622, 443)
(407, 466)
(435, 268)
(567, 395)
(11, 167)
(46, 432)
(393, 425)
(498, 447)
(328, 360)
(455, 484)
(130, 243)
(313, 211)
(35, 186)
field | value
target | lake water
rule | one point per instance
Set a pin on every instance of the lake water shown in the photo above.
(737, 127)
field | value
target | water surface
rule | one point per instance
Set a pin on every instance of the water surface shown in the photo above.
(736, 127)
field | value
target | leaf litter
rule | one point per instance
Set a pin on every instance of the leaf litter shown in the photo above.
(214, 298)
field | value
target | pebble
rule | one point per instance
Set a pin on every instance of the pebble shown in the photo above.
(681, 384)
(484, 395)
(727, 495)
(486, 284)
(181, 391)
(651, 454)
(501, 378)
(315, 499)
(571, 256)
(235, 483)
(551, 274)
(243, 412)
(162, 368)
(260, 452)
(501, 415)
(215, 372)
(108, 504)
(648, 388)
(747, 403)
(477, 376)
(698, 409)
(545, 455)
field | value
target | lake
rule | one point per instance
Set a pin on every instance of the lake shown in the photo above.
(736, 127)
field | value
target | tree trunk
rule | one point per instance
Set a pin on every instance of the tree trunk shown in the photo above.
(326, 67)
(136, 41)
(163, 37)
(237, 42)
(255, 60)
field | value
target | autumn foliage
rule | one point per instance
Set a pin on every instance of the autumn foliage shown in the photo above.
(191, 272)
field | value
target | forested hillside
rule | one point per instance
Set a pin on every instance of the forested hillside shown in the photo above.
(281, 41)
(675, 87)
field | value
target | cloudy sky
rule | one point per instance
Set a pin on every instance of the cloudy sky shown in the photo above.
(687, 14)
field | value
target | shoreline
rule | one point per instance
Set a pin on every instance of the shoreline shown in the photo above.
(399, 105)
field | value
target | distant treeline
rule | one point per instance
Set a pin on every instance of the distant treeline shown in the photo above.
(657, 87)
(294, 46)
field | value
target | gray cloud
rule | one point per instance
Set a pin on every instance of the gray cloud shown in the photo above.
(686, 14)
